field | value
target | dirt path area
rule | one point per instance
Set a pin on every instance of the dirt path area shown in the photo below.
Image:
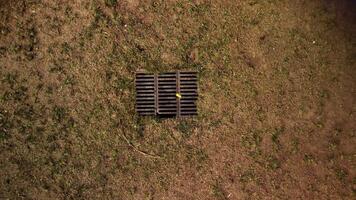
(277, 105)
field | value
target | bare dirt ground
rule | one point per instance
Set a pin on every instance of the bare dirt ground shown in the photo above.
(277, 107)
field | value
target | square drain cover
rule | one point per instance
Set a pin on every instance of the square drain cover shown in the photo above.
(166, 94)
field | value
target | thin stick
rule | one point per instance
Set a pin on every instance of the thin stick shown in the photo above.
(138, 150)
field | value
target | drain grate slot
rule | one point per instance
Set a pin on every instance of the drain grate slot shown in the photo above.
(189, 93)
(167, 87)
(166, 94)
(145, 94)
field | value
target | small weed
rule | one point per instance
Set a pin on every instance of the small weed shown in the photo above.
(252, 142)
(56, 68)
(252, 2)
(20, 93)
(5, 124)
(4, 30)
(49, 90)
(110, 3)
(215, 123)
(273, 163)
(201, 156)
(324, 94)
(70, 14)
(121, 84)
(68, 11)
(30, 48)
(309, 158)
(295, 145)
(140, 127)
(66, 49)
(196, 157)
(25, 112)
(56, 24)
(11, 79)
(3, 135)
(3, 51)
(185, 127)
(334, 142)
(251, 89)
(218, 191)
(164, 182)
(196, 10)
(275, 136)
(247, 176)
(341, 174)
(69, 80)
(7, 96)
(99, 16)
(59, 113)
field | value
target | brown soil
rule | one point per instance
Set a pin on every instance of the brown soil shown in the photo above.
(277, 105)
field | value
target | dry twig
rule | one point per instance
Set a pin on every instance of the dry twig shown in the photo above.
(138, 150)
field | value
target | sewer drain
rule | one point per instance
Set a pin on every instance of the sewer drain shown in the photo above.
(166, 94)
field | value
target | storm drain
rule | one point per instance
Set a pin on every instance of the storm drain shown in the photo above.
(166, 94)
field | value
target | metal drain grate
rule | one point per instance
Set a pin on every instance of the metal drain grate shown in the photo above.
(166, 94)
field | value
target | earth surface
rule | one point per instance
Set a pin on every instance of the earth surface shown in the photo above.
(277, 104)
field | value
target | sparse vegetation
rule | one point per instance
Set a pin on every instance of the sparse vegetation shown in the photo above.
(276, 106)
